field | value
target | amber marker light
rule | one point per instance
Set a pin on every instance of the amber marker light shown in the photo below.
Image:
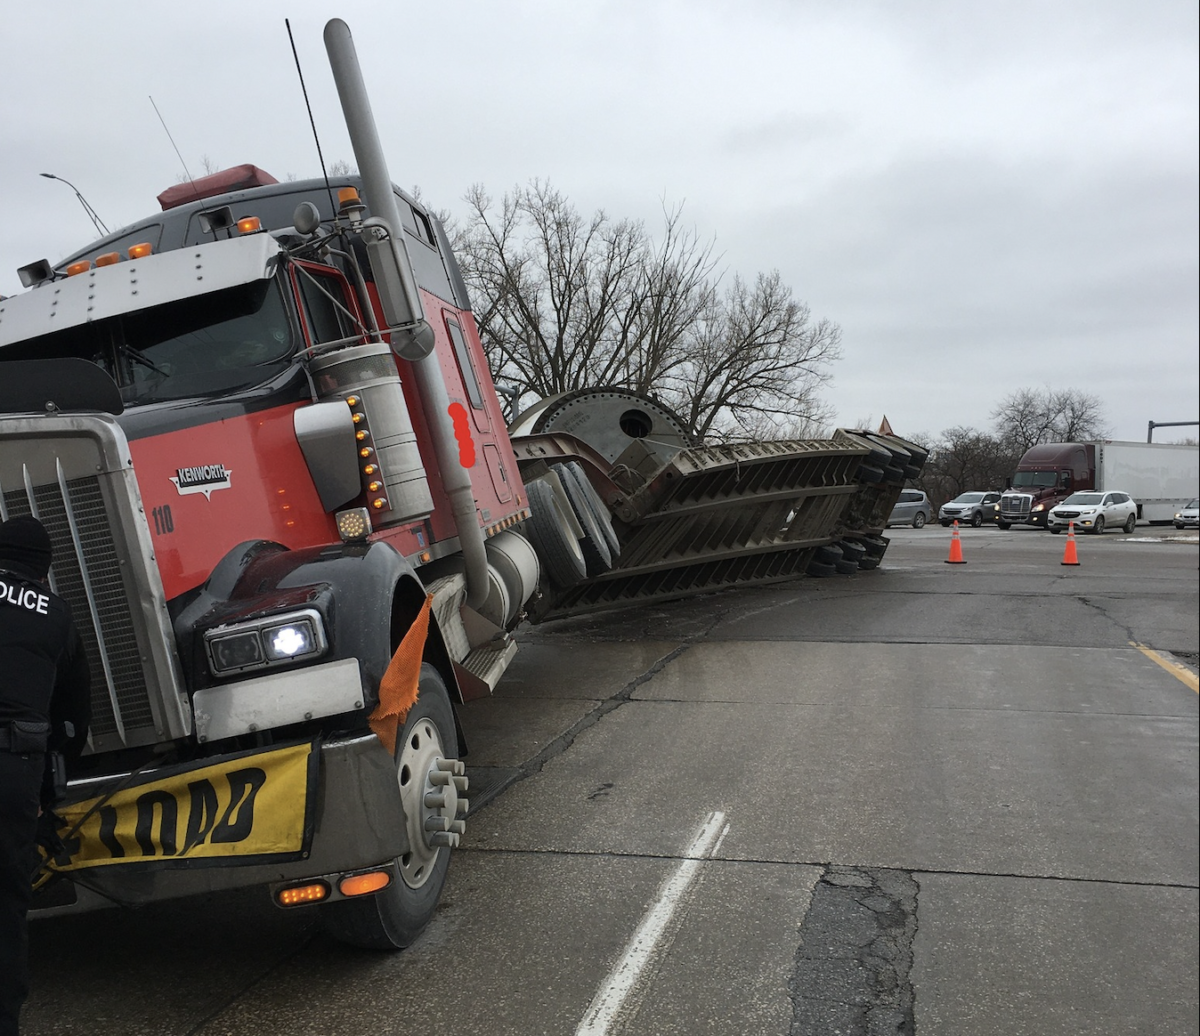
(108, 259)
(364, 884)
(298, 895)
(249, 224)
(353, 525)
(80, 267)
(365, 451)
(141, 250)
(347, 195)
(379, 503)
(352, 401)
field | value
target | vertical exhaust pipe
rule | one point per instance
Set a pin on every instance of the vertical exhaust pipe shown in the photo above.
(381, 199)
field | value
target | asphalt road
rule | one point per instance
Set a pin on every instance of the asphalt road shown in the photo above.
(949, 799)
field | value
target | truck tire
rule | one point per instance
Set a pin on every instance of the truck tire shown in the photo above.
(392, 919)
(557, 549)
(1004, 526)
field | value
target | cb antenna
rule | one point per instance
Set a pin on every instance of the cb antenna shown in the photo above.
(311, 121)
(172, 140)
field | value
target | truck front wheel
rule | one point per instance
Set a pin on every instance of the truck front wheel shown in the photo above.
(428, 746)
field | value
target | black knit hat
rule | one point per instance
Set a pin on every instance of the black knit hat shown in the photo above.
(25, 543)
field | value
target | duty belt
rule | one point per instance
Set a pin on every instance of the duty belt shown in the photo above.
(22, 736)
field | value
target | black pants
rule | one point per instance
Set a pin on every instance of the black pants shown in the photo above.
(20, 788)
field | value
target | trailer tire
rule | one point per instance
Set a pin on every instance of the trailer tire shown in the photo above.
(846, 567)
(852, 550)
(876, 546)
(820, 569)
(869, 473)
(869, 562)
(556, 547)
(603, 515)
(597, 551)
(392, 919)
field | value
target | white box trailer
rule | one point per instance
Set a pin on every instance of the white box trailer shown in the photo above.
(1161, 477)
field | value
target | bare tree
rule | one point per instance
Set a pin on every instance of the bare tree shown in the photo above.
(964, 459)
(565, 301)
(1028, 417)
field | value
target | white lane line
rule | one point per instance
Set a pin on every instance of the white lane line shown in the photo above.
(624, 976)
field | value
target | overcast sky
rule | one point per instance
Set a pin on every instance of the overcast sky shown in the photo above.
(986, 196)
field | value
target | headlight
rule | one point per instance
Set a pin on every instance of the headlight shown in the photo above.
(1039, 507)
(273, 640)
(1178, 515)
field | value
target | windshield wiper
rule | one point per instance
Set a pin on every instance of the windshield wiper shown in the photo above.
(144, 360)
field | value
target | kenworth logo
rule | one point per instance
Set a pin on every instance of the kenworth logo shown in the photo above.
(202, 479)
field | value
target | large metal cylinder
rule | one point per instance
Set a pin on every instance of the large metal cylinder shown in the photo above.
(369, 372)
(609, 420)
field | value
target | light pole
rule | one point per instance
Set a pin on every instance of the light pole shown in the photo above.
(97, 222)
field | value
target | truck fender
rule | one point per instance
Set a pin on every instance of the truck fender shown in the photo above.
(367, 594)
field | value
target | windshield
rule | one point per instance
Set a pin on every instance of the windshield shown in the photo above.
(967, 498)
(1193, 505)
(1084, 498)
(1035, 478)
(209, 345)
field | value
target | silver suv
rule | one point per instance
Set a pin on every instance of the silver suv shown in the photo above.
(969, 509)
(913, 508)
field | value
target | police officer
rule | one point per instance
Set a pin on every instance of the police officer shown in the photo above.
(43, 707)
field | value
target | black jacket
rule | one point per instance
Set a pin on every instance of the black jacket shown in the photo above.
(44, 673)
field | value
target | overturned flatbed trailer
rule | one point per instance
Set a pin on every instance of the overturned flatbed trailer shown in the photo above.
(688, 519)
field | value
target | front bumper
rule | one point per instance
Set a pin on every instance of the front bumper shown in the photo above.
(357, 819)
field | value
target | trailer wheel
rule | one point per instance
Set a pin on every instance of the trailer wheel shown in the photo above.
(867, 563)
(876, 545)
(428, 745)
(551, 537)
(603, 516)
(596, 554)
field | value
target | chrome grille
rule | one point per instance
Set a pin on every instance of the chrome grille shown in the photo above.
(120, 703)
(74, 473)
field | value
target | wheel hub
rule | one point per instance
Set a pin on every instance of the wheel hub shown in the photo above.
(431, 789)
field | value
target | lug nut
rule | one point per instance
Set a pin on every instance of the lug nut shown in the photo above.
(437, 824)
(435, 800)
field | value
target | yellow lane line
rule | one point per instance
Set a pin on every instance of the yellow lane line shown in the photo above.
(1181, 672)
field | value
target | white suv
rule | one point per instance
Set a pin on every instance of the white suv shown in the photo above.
(1093, 511)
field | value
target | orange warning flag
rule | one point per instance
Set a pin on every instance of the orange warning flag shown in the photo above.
(398, 688)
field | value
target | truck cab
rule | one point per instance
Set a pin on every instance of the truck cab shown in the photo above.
(1046, 475)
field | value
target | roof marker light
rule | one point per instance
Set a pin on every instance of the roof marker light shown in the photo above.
(141, 250)
(108, 259)
(80, 267)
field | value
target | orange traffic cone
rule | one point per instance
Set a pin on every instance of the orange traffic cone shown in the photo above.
(955, 557)
(1069, 555)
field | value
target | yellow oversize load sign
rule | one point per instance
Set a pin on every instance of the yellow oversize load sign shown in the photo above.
(253, 807)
